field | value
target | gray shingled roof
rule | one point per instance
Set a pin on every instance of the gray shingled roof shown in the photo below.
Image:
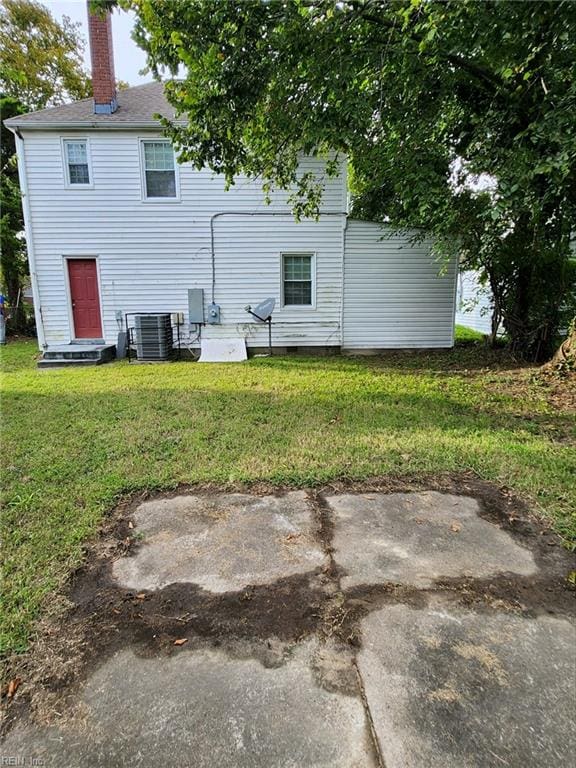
(136, 108)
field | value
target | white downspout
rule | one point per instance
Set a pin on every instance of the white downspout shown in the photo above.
(29, 241)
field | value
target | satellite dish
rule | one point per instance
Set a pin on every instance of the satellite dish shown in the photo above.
(263, 311)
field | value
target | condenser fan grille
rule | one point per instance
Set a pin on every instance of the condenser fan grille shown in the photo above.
(153, 335)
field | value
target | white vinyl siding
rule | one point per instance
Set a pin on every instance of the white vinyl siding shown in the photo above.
(149, 255)
(159, 170)
(395, 293)
(77, 163)
(473, 303)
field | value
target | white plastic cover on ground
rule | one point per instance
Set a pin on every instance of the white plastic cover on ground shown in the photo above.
(222, 351)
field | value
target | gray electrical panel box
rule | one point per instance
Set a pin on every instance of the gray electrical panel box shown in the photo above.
(195, 306)
(214, 314)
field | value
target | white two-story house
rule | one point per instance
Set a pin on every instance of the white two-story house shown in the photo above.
(115, 226)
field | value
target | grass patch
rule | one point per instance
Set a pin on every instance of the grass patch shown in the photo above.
(462, 334)
(75, 440)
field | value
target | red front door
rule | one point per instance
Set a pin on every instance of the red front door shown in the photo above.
(85, 299)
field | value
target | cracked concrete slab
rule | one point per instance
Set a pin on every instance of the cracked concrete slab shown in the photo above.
(203, 709)
(273, 675)
(450, 688)
(222, 542)
(416, 538)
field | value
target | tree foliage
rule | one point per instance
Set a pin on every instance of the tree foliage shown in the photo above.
(41, 62)
(13, 266)
(457, 118)
(41, 65)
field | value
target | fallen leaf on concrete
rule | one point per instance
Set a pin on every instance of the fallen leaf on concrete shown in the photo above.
(13, 686)
(181, 641)
(455, 527)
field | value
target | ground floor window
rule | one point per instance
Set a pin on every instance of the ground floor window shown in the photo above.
(298, 279)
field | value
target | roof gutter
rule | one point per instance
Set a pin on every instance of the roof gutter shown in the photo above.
(82, 125)
(29, 240)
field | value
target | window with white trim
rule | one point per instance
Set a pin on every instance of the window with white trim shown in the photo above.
(77, 166)
(159, 170)
(298, 279)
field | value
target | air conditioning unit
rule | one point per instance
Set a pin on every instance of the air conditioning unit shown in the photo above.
(153, 334)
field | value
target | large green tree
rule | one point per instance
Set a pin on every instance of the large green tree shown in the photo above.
(457, 118)
(40, 66)
(42, 59)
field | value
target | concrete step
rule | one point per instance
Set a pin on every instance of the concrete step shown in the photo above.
(72, 354)
(67, 363)
(77, 354)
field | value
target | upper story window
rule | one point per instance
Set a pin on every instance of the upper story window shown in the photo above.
(159, 170)
(298, 279)
(77, 164)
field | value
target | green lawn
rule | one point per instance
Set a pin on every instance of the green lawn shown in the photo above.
(75, 440)
(465, 334)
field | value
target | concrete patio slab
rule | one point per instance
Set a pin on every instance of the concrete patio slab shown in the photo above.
(448, 688)
(222, 542)
(416, 538)
(264, 638)
(202, 710)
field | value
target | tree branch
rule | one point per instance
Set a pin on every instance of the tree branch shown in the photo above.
(474, 69)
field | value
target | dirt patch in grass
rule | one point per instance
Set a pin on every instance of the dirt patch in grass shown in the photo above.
(96, 617)
(560, 392)
(472, 358)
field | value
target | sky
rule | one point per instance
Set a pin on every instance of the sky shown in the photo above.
(128, 58)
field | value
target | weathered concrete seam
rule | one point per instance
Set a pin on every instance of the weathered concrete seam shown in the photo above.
(375, 740)
(325, 531)
(323, 518)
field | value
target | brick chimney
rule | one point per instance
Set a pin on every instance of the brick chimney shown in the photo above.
(102, 56)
